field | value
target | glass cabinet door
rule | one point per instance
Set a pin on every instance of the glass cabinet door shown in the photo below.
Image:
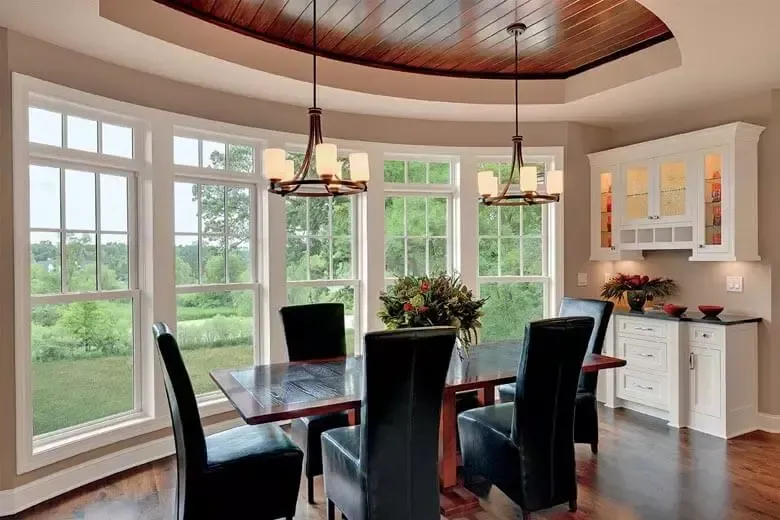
(637, 193)
(672, 193)
(605, 199)
(713, 195)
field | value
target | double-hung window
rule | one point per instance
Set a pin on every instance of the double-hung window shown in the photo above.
(514, 271)
(321, 254)
(78, 312)
(418, 216)
(216, 236)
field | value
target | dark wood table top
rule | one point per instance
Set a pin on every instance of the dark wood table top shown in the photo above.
(268, 393)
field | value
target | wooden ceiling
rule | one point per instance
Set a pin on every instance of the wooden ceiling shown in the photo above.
(464, 38)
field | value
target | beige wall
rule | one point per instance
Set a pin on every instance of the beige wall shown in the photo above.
(19, 53)
(705, 282)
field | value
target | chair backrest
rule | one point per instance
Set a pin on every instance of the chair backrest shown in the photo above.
(403, 381)
(543, 424)
(314, 331)
(600, 311)
(187, 430)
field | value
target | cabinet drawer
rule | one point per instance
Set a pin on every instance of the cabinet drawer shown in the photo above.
(706, 335)
(643, 355)
(642, 327)
(642, 388)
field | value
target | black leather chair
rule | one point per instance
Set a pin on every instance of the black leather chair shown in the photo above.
(526, 448)
(314, 331)
(248, 471)
(586, 417)
(387, 468)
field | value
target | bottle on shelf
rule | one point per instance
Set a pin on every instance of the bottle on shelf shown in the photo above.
(716, 212)
(609, 201)
(716, 186)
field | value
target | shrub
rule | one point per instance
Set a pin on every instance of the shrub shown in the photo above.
(219, 331)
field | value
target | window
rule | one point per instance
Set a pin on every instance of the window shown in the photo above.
(83, 292)
(321, 254)
(513, 272)
(215, 248)
(417, 218)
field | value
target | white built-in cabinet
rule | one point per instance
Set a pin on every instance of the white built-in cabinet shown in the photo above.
(695, 191)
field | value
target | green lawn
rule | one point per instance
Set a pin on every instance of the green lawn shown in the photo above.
(67, 393)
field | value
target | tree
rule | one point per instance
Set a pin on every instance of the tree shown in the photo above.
(93, 325)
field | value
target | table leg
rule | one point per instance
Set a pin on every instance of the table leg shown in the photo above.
(487, 395)
(455, 499)
(354, 416)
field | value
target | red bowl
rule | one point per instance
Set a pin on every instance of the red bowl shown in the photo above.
(674, 310)
(710, 311)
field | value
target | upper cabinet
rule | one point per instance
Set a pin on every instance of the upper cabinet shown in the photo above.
(695, 191)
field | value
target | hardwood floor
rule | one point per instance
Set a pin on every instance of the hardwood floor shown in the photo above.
(644, 470)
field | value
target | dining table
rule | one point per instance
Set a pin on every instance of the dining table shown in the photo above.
(282, 391)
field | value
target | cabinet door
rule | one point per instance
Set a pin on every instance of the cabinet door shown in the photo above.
(713, 209)
(705, 381)
(603, 246)
(673, 189)
(636, 183)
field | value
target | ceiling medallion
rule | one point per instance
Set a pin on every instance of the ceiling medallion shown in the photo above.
(326, 174)
(531, 191)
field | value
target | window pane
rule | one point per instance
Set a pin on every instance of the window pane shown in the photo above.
(415, 217)
(415, 260)
(185, 151)
(532, 256)
(185, 197)
(297, 259)
(45, 275)
(44, 197)
(416, 172)
(81, 262)
(213, 259)
(113, 203)
(117, 140)
(510, 257)
(82, 363)
(509, 307)
(114, 267)
(79, 200)
(214, 330)
(394, 216)
(511, 221)
(319, 259)
(488, 257)
(296, 215)
(240, 158)
(395, 258)
(186, 259)
(239, 261)
(532, 220)
(82, 134)
(212, 208)
(437, 255)
(319, 210)
(439, 173)
(238, 212)
(342, 216)
(214, 155)
(45, 126)
(437, 217)
(488, 220)
(342, 258)
(297, 295)
(394, 171)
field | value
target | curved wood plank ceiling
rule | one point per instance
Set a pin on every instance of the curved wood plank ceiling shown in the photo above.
(464, 38)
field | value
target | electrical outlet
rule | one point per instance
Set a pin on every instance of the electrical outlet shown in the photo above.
(607, 277)
(582, 279)
(733, 284)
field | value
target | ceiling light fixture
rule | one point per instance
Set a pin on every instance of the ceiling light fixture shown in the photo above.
(320, 173)
(530, 192)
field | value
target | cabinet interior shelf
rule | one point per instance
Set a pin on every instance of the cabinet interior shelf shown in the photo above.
(712, 202)
(636, 195)
(673, 190)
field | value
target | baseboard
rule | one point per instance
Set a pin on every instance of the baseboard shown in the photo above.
(769, 423)
(13, 501)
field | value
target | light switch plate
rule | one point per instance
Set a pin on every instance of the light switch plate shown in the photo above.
(607, 277)
(733, 284)
(582, 279)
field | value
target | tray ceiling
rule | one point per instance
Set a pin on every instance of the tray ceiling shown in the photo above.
(464, 38)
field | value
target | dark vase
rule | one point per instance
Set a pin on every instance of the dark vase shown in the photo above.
(636, 300)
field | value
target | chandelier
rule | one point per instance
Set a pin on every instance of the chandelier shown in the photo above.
(320, 172)
(531, 192)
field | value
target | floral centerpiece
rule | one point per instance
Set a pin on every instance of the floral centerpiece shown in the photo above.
(425, 301)
(637, 289)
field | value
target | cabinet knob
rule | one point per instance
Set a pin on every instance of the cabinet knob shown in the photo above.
(701, 246)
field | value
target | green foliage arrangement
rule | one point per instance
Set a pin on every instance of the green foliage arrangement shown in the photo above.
(427, 301)
(618, 285)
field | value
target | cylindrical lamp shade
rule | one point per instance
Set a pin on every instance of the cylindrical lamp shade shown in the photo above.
(289, 170)
(528, 181)
(273, 163)
(325, 158)
(485, 182)
(555, 182)
(358, 167)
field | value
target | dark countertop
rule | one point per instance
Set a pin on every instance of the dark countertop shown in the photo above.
(695, 316)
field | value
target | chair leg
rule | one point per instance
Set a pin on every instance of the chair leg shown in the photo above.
(594, 447)
(310, 486)
(526, 515)
(573, 505)
(331, 510)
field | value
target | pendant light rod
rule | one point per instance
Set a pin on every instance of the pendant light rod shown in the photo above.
(314, 54)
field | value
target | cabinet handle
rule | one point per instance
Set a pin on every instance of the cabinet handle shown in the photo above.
(705, 334)
(690, 361)
(643, 387)
(646, 355)
(648, 329)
